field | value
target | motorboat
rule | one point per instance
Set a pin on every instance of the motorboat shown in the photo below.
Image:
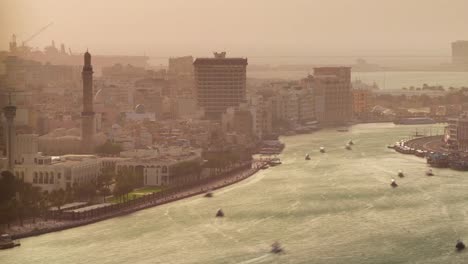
(460, 245)
(429, 172)
(322, 150)
(220, 213)
(394, 184)
(348, 147)
(350, 142)
(342, 130)
(307, 157)
(7, 242)
(276, 248)
(400, 174)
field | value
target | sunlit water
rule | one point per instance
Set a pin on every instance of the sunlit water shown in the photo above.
(336, 208)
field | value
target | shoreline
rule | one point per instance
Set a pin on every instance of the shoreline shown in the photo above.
(216, 184)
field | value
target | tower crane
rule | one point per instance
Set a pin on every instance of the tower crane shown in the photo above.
(37, 33)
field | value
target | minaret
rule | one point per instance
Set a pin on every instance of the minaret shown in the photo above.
(9, 112)
(87, 116)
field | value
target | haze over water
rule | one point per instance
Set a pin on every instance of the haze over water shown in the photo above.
(336, 208)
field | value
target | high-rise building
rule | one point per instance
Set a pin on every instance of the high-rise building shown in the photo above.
(460, 52)
(87, 116)
(332, 92)
(9, 112)
(220, 83)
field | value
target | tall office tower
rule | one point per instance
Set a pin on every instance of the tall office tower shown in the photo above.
(460, 52)
(332, 92)
(220, 83)
(87, 116)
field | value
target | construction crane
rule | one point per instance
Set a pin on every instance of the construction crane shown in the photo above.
(37, 33)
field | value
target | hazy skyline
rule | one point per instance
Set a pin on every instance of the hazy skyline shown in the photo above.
(243, 28)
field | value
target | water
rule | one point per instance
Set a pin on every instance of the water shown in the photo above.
(336, 208)
(385, 80)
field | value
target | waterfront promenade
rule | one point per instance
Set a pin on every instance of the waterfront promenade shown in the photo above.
(52, 225)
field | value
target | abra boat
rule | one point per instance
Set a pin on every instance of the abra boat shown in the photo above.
(220, 213)
(460, 245)
(429, 173)
(307, 157)
(276, 248)
(322, 150)
(7, 242)
(400, 174)
(394, 184)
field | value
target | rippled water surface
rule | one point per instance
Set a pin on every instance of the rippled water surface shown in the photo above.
(336, 208)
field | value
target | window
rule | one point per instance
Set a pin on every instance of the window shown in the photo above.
(41, 178)
(164, 169)
(35, 177)
(58, 175)
(51, 179)
(46, 178)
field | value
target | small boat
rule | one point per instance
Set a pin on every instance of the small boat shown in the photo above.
(342, 130)
(429, 172)
(7, 242)
(307, 157)
(209, 193)
(274, 162)
(400, 174)
(460, 245)
(220, 213)
(394, 184)
(350, 142)
(348, 147)
(322, 150)
(276, 248)
(391, 146)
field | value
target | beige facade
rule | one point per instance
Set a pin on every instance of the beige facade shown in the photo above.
(220, 83)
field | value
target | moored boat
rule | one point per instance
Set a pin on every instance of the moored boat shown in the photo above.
(209, 193)
(274, 162)
(7, 242)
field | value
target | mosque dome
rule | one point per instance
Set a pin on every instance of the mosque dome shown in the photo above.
(140, 109)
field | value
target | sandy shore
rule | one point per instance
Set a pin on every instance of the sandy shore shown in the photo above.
(42, 226)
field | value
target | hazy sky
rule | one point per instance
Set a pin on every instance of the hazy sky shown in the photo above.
(242, 27)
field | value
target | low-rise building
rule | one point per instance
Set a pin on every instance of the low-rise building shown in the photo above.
(53, 173)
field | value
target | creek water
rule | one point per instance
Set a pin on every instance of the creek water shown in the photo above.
(337, 207)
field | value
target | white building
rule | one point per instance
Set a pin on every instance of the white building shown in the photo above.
(53, 173)
(156, 165)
